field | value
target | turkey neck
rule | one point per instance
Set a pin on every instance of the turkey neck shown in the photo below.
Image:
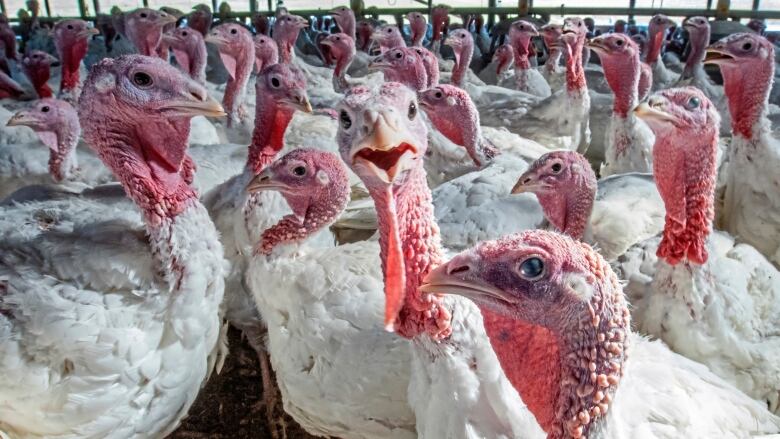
(409, 246)
(271, 121)
(747, 89)
(71, 61)
(699, 40)
(570, 213)
(521, 53)
(235, 90)
(623, 78)
(62, 153)
(340, 72)
(553, 59)
(655, 43)
(197, 68)
(575, 71)
(39, 77)
(462, 61)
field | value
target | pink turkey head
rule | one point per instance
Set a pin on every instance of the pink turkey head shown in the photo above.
(452, 112)
(403, 65)
(430, 63)
(698, 29)
(37, 66)
(342, 47)
(345, 19)
(285, 85)
(189, 48)
(619, 57)
(418, 26)
(551, 281)
(261, 23)
(520, 34)
(462, 43)
(135, 112)
(686, 127)
(266, 52)
(388, 37)
(757, 25)
(747, 62)
(504, 56)
(364, 32)
(645, 81)
(200, 19)
(573, 32)
(71, 37)
(57, 125)
(656, 30)
(439, 20)
(235, 45)
(144, 28)
(285, 32)
(316, 187)
(565, 185)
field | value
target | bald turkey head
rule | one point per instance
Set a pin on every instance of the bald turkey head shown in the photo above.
(266, 52)
(285, 32)
(388, 37)
(189, 48)
(71, 37)
(37, 66)
(345, 19)
(619, 57)
(462, 43)
(402, 64)
(144, 28)
(504, 56)
(418, 26)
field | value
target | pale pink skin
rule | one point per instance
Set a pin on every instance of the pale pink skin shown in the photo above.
(418, 25)
(189, 48)
(200, 19)
(57, 125)
(37, 66)
(520, 34)
(315, 185)
(266, 52)
(388, 37)
(439, 20)
(280, 90)
(574, 347)
(407, 228)
(431, 64)
(551, 35)
(136, 136)
(452, 112)
(573, 38)
(657, 34)
(645, 80)
(237, 51)
(144, 28)
(364, 31)
(345, 19)
(285, 34)
(565, 185)
(699, 33)
(684, 166)
(641, 41)
(619, 57)
(462, 43)
(747, 66)
(404, 65)
(342, 48)
(71, 39)
(505, 56)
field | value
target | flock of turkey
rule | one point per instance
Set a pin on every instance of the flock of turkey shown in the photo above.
(414, 246)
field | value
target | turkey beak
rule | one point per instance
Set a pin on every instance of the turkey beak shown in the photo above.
(217, 40)
(452, 42)
(194, 102)
(388, 148)
(597, 44)
(460, 276)
(167, 19)
(527, 183)
(88, 32)
(21, 118)
(169, 39)
(652, 110)
(298, 100)
(717, 54)
(264, 181)
(327, 42)
(378, 64)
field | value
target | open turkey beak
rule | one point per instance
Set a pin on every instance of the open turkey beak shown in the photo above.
(717, 55)
(386, 151)
(88, 32)
(457, 277)
(652, 110)
(196, 104)
(298, 101)
(326, 42)
(264, 181)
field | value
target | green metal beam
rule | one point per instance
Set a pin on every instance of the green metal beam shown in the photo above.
(83, 9)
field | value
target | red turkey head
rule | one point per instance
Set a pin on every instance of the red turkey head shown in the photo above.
(37, 66)
(345, 19)
(418, 26)
(388, 37)
(144, 28)
(266, 52)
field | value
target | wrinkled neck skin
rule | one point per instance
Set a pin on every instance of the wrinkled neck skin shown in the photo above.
(235, 90)
(654, 45)
(575, 72)
(39, 78)
(286, 45)
(340, 83)
(569, 210)
(747, 90)
(698, 43)
(462, 61)
(268, 136)
(623, 78)
(71, 57)
(62, 152)
(409, 237)
(553, 60)
(148, 42)
(197, 58)
(415, 78)
(417, 36)
(501, 67)
(520, 47)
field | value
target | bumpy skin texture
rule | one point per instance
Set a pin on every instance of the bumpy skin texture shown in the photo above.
(71, 38)
(699, 33)
(684, 166)
(574, 296)
(418, 25)
(316, 187)
(505, 57)
(565, 185)
(404, 65)
(462, 43)
(266, 52)
(520, 34)
(431, 64)
(237, 51)
(37, 66)
(57, 125)
(189, 48)
(388, 37)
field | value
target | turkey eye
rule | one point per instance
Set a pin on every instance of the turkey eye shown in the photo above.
(338, 38)
(233, 31)
(70, 26)
(462, 35)
(532, 268)
(45, 109)
(389, 30)
(747, 46)
(300, 171)
(184, 34)
(412, 111)
(143, 15)
(556, 167)
(142, 79)
(619, 42)
(398, 55)
(693, 103)
(345, 120)
(275, 82)
(438, 95)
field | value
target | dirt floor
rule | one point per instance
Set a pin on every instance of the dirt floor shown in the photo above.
(229, 406)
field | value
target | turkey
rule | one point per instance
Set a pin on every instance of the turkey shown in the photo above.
(237, 52)
(709, 298)
(527, 78)
(553, 307)
(498, 69)
(144, 28)
(71, 38)
(91, 329)
(189, 49)
(37, 65)
(662, 77)
(266, 52)
(342, 48)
